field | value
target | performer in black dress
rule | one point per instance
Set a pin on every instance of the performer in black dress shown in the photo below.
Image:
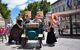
(17, 30)
(51, 39)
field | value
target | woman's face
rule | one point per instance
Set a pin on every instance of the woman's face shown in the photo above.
(27, 17)
(28, 14)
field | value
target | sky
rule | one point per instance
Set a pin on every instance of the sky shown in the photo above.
(16, 5)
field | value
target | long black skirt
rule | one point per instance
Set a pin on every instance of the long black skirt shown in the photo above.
(15, 33)
(51, 39)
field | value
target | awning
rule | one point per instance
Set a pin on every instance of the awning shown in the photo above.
(66, 13)
(54, 20)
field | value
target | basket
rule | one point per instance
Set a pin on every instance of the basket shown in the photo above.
(32, 25)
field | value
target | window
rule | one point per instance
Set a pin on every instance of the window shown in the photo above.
(53, 10)
(63, 7)
(56, 9)
(59, 8)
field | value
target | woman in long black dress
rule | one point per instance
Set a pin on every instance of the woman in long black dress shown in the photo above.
(51, 39)
(16, 31)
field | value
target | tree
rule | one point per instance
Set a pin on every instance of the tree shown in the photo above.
(45, 6)
(34, 7)
(4, 11)
(23, 11)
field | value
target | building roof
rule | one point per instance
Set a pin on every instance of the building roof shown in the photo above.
(55, 2)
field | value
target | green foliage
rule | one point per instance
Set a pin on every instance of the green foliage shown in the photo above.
(34, 7)
(4, 11)
(45, 7)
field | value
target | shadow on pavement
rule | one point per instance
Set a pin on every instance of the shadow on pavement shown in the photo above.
(7, 44)
(49, 45)
(30, 46)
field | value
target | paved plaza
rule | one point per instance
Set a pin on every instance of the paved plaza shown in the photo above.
(61, 44)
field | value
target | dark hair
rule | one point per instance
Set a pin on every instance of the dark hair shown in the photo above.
(51, 29)
(49, 24)
(20, 14)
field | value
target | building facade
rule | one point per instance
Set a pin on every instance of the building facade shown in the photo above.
(64, 22)
(5, 22)
(8, 22)
(2, 21)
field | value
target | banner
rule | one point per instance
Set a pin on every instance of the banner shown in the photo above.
(78, 2)
(69, 3)
(54, 20)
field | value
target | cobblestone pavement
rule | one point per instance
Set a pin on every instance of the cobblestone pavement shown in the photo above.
(61, 44)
